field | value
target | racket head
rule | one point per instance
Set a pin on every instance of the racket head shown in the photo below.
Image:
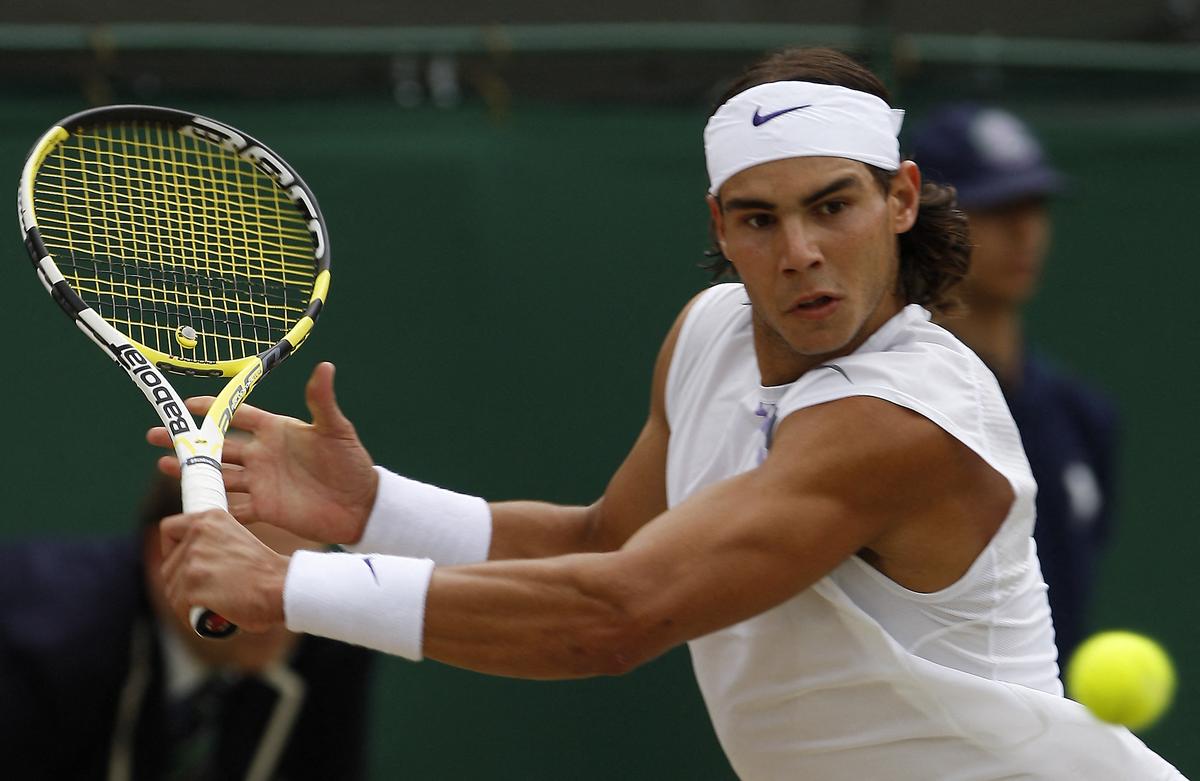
(199, 244)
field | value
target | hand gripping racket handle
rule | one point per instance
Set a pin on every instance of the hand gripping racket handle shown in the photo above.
(203, 488)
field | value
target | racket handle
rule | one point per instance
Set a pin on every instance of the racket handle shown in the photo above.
(201, 484)
(210, 624)
(203, 488)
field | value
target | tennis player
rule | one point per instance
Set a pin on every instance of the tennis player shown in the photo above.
(828, 502)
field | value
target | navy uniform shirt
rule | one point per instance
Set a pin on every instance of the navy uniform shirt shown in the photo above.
(70, 613)
(1069, 431)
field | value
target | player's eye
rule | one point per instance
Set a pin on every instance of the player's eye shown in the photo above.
(759, 220)
(831, 208)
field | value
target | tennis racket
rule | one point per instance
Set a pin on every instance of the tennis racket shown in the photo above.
(178, 244)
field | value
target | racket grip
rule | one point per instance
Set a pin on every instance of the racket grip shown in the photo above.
(201, 485)
(203, 488)
(210, 624)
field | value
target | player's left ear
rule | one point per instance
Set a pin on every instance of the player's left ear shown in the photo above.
(904, 196)
(718, 220)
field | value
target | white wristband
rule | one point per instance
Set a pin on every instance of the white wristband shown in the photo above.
(373, 601)
(411, 518)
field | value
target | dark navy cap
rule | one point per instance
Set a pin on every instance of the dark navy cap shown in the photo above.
(989, 155)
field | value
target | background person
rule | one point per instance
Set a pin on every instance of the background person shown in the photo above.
(100, 680)
(1068, 428)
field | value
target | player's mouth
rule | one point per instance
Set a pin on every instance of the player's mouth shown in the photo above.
(815, 307)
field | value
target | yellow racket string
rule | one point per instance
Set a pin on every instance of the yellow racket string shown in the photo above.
(161, 231)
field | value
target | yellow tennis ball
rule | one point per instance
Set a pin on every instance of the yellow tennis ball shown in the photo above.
(1123, 678)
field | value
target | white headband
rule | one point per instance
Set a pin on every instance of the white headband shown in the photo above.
(785, 119)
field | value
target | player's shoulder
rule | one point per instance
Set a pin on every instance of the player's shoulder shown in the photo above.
(914, 364)
(713, 315)
(907, 351)
(717, 300)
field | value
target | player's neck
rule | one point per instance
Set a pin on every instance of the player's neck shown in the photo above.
(781, 363)
(996, 336)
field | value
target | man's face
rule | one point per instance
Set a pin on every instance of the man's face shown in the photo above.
(1010, 244)
(814, 241)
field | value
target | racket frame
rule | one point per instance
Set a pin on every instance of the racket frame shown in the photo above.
(198, 446)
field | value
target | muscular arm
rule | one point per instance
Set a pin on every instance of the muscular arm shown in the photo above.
(577, 592)
(884, 479)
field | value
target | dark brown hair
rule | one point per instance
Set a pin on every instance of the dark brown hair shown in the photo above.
(935, 253)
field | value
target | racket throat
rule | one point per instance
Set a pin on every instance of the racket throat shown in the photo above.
(201, 483)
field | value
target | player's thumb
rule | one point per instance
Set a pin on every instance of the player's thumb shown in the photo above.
(322, 402)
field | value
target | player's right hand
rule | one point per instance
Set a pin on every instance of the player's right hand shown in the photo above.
(314, 479)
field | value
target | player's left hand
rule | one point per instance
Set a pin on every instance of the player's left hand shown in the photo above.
(312, 479)
(210, 559)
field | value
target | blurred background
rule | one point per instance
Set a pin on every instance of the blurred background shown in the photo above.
(515, 197)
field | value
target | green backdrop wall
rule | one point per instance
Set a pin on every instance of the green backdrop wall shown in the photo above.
(500, 287)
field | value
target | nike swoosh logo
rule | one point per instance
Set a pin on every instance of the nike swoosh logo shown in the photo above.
(760, 119)
(837, 369)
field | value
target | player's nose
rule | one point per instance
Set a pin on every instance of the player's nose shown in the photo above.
(798, 246)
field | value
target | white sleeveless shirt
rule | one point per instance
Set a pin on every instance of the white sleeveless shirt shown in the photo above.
(857, 677)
